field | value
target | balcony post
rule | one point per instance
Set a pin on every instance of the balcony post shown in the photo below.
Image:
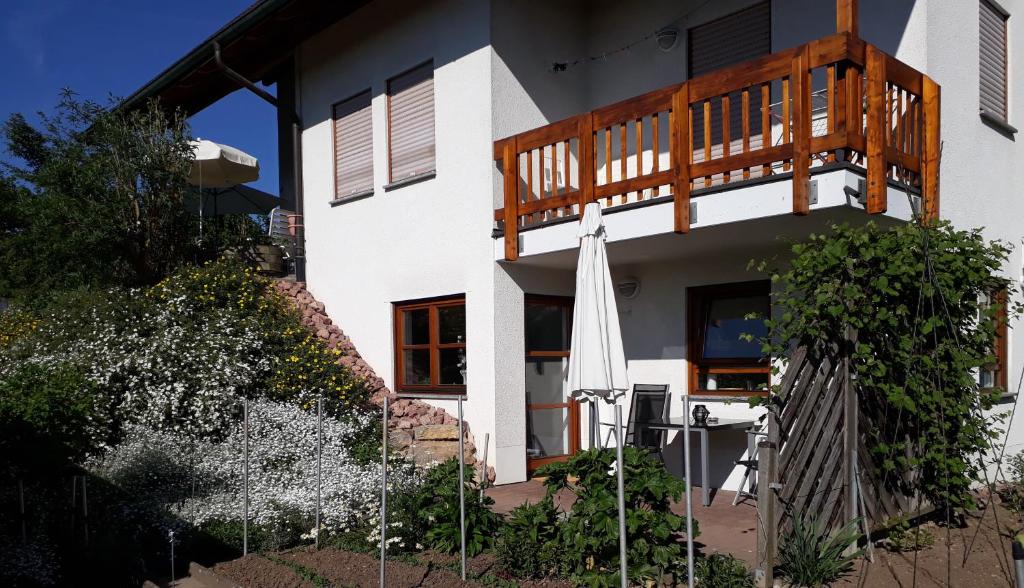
(680, 134)
(799, 83)
(510, 168)
(932, 144)
(847, 18)
(876, 132)
(587, 172)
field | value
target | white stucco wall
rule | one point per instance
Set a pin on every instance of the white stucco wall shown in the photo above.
(422, 240)
(492, 79)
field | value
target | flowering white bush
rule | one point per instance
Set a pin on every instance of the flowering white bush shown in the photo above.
(171, 368)
(282, 470)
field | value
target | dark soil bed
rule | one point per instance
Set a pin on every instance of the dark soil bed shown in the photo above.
(256, 571)
(978, 555)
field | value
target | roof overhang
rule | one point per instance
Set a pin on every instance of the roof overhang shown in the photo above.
(254, 44)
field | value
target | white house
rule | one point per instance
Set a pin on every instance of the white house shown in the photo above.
(439, 201)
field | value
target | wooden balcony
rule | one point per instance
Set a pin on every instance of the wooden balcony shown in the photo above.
(869, 110)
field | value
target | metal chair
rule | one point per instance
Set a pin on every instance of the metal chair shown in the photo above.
(650, 401)
(750, 465)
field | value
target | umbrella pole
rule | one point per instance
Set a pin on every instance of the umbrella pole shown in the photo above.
(689, 501)
(622, 498)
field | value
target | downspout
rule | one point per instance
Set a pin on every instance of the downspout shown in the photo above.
(300, 231)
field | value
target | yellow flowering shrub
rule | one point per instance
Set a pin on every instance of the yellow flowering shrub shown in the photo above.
(15, 324)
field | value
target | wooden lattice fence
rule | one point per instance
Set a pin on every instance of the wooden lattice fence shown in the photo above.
(816, 460)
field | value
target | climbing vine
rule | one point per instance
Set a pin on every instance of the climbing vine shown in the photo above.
(914, 295)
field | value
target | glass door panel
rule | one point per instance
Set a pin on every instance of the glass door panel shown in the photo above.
(547, 432)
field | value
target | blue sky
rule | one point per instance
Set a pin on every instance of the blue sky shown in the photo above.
(102, 47)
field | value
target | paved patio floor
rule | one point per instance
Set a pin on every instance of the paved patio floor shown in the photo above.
(723, 528)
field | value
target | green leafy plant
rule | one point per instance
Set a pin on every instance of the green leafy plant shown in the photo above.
(527, 546)
(1012, 491)
(50, 416)
(809, 556)
(903, 537)
(913, 296)
(720, 570)
(425, 514)
(589, 536)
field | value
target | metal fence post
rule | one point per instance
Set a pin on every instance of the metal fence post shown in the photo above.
(21, 510)
(319, 453)
(483, 467)
(689, 492)
(85, 510)
(384, 493)
(245, 476)
(462, 490)
(623, 567)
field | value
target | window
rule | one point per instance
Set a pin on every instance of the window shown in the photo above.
(552, 417)
(353, 147)
(732, 39)
(995, 375)
(430, 346)
(411, 123)
(993, 52)
(722, 359)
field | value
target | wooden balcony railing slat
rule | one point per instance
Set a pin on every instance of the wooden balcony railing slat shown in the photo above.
(745, 122)
(510, 168)
(766, 122)
(682, 156)
(622, 157)
(800, 82)
(876, 132)
(931, 98)
(587, 155)
(726, 135)
(898, 137)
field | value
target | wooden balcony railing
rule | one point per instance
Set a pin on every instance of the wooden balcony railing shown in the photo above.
(870, 110)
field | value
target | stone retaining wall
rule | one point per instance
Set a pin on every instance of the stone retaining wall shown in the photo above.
(422, 432)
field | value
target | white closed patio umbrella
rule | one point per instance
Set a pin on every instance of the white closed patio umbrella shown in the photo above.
(597, 363)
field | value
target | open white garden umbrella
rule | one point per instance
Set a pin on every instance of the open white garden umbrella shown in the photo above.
(221, 166)
(597, 363)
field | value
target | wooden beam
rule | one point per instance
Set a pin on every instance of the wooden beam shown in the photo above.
(876, 132)
(800, 86)
(932, 146)
(847, 18)
(510, 167)
(681, 150)
(588, 163)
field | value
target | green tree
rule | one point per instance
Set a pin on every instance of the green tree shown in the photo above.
(913, 295)
(97, 198)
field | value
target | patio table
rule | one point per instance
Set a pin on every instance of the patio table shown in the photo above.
(679, 423)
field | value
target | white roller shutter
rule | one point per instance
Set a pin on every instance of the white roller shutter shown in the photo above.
(411, 123)
(727, 41)
(992, 45)
(353, 146)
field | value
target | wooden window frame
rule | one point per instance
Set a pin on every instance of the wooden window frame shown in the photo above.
(1001, 343)
(532, 464)
(334, 148)
(697, 298)
(392, 182)
(435, 346)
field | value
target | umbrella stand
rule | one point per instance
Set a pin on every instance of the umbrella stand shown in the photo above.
(622, 495)
(689, 501)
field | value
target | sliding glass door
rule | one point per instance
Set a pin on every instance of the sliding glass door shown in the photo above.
(552, 418)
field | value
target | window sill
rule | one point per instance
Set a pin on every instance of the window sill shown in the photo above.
(352, 197)
(411, 180)
(998, 123)
(731, 393)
